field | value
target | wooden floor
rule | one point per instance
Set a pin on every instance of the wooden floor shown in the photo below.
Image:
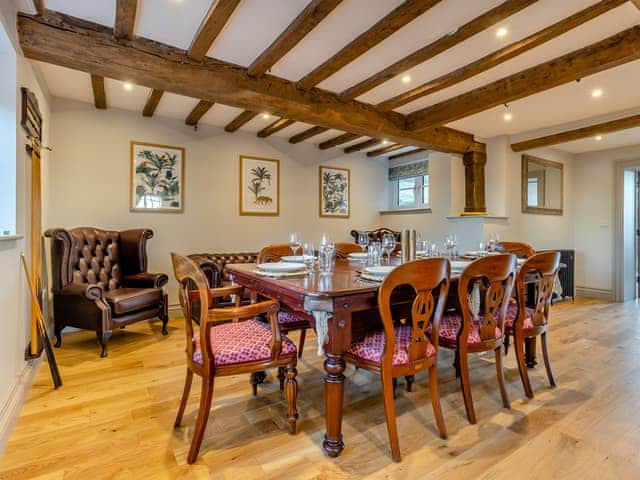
(113, 417)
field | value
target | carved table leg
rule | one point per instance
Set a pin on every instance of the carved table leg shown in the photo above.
(333, 396)
(530, 352)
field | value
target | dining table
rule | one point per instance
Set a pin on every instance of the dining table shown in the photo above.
(332, 299)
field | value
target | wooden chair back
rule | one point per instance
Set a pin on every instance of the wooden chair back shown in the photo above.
(429, 278)
(343, 249)
(545, 265)
(494, 276)
(273, 253)
(519, 249)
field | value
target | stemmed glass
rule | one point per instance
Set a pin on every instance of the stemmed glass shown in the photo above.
(308, 255)
(388, 245)
(363, 241)
(450, 242)
(294, 242)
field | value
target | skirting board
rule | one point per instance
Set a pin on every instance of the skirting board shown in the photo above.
(595, 293)
(175, 310)
(10, 411)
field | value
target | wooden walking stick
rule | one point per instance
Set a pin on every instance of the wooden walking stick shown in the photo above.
(42, 328)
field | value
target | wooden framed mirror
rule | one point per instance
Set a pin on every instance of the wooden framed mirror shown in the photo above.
(542, 186)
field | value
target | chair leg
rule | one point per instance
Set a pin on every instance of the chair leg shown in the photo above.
(185, 397)
(547, 361)
(303, 335)
(409, 379)
(465, 384)
(203, 417)
(165, 315)
(58, 333)
(506, 344)
(281, 377)
(253, 380)
(518, 345)
(103, 338)
(434, 391)
(394, 382)
(390, 412)
(291, 392)
(500, 373)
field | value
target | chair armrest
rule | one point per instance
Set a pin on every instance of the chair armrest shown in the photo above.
(145, 280)
(218, 292)
(82, 290)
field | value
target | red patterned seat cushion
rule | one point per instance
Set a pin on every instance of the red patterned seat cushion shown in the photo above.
(287, 317)
(512, 312)
(371, 347)
(450, 324)
(241, 342)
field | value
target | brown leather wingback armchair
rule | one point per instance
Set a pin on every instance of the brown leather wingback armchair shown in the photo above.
(100, 281)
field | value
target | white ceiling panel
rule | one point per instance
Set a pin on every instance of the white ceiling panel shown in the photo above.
(66, 83)
(102, 12)
(219, 115)
(623, 138)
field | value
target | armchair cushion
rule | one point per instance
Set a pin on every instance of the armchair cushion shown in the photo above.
(372, 346)
(83, 290)
(512, 313)
(241, 342)
(125, 300)
(145, 280)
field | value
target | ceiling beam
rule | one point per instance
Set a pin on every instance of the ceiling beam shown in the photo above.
(636, 3)
(391, 23)
(125, 18)
(308, 133)
(608, 53)
(444, 43)
(198, 112)
(152, 102)
(406, 154)
(99, 94)
(339, 140)
(276, 126)
(577, 134)
(306, 21)
(39, 6)
(389, 148)
(89, 47)
(239, 121)
(362, 145)
(211, 27)
(502, 55)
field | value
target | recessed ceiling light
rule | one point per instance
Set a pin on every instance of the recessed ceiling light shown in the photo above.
(598, 138)
(597, 93)
(385, 142)
(128, 86)
(266, 116)
(502, 32)
(406, 78)
(508, 116)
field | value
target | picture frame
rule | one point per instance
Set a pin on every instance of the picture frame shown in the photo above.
(156, 178)
(334, 192)
(259, 186)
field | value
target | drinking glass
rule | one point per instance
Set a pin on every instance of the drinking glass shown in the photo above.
(324, 239)
(388, 244)
(493, 241)
(325, 257)
(373, 254)
(481, 251)
(308, 255)
(363, 240)
(294, 242)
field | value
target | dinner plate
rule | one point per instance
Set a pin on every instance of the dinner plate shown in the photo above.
(293, 258)
(459, 265)
(379, 271)
(358, 255)
(281, 267)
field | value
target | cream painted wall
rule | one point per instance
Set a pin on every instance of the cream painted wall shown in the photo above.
(90, 184)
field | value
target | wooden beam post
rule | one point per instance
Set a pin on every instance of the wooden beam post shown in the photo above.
(310, 132)
(212, 25)
(125, 18)
(99, 94)
(198, 112)
(152, 102)
(474, 185)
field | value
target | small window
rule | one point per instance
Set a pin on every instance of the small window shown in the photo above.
(409, 186)
(8, 196)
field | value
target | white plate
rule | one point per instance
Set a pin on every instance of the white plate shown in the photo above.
(281, 267)
(378, 271)
(358, 255)
(293, 258)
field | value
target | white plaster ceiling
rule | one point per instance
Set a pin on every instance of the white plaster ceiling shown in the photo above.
(256, 23)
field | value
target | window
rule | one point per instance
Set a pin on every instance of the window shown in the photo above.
(409, 186)
(8, 177)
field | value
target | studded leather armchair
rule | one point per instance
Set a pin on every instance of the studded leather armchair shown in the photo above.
(100, 281)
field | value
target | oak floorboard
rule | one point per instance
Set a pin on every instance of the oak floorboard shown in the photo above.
(113, 417)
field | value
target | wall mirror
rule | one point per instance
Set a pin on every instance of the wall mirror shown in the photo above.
(541, 186)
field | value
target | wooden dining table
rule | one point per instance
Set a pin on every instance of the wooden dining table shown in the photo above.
(332, 299)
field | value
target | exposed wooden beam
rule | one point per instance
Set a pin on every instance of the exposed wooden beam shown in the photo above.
(389, 148)
(99, 95)
(339, 140)
(450, 40)
(152, 102)
(308, 133)
(608, 53)
(276, 126)
(306, 21)
(636, 3)
(125, 18)
(391, 23)
(240, 120)
(211, 27)
(500, 56)
(39, 6)
(198, 112)
(578, 133)
(362, 145)
(406, 154)
(89, 47)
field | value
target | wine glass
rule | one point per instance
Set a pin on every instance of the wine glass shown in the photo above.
(294, 242)
(388, 245)
(363, 241)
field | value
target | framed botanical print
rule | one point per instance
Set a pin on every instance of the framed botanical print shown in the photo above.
(259, 186)
(157, 178)
(335, 186)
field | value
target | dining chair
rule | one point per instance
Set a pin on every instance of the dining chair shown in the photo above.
(288, 319)
(404, 349)
(519, 249)
(523, 322)
(343, 249)
(484, 289)
(236, 343)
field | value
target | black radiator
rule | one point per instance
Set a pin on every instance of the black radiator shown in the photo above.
(567, 274)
